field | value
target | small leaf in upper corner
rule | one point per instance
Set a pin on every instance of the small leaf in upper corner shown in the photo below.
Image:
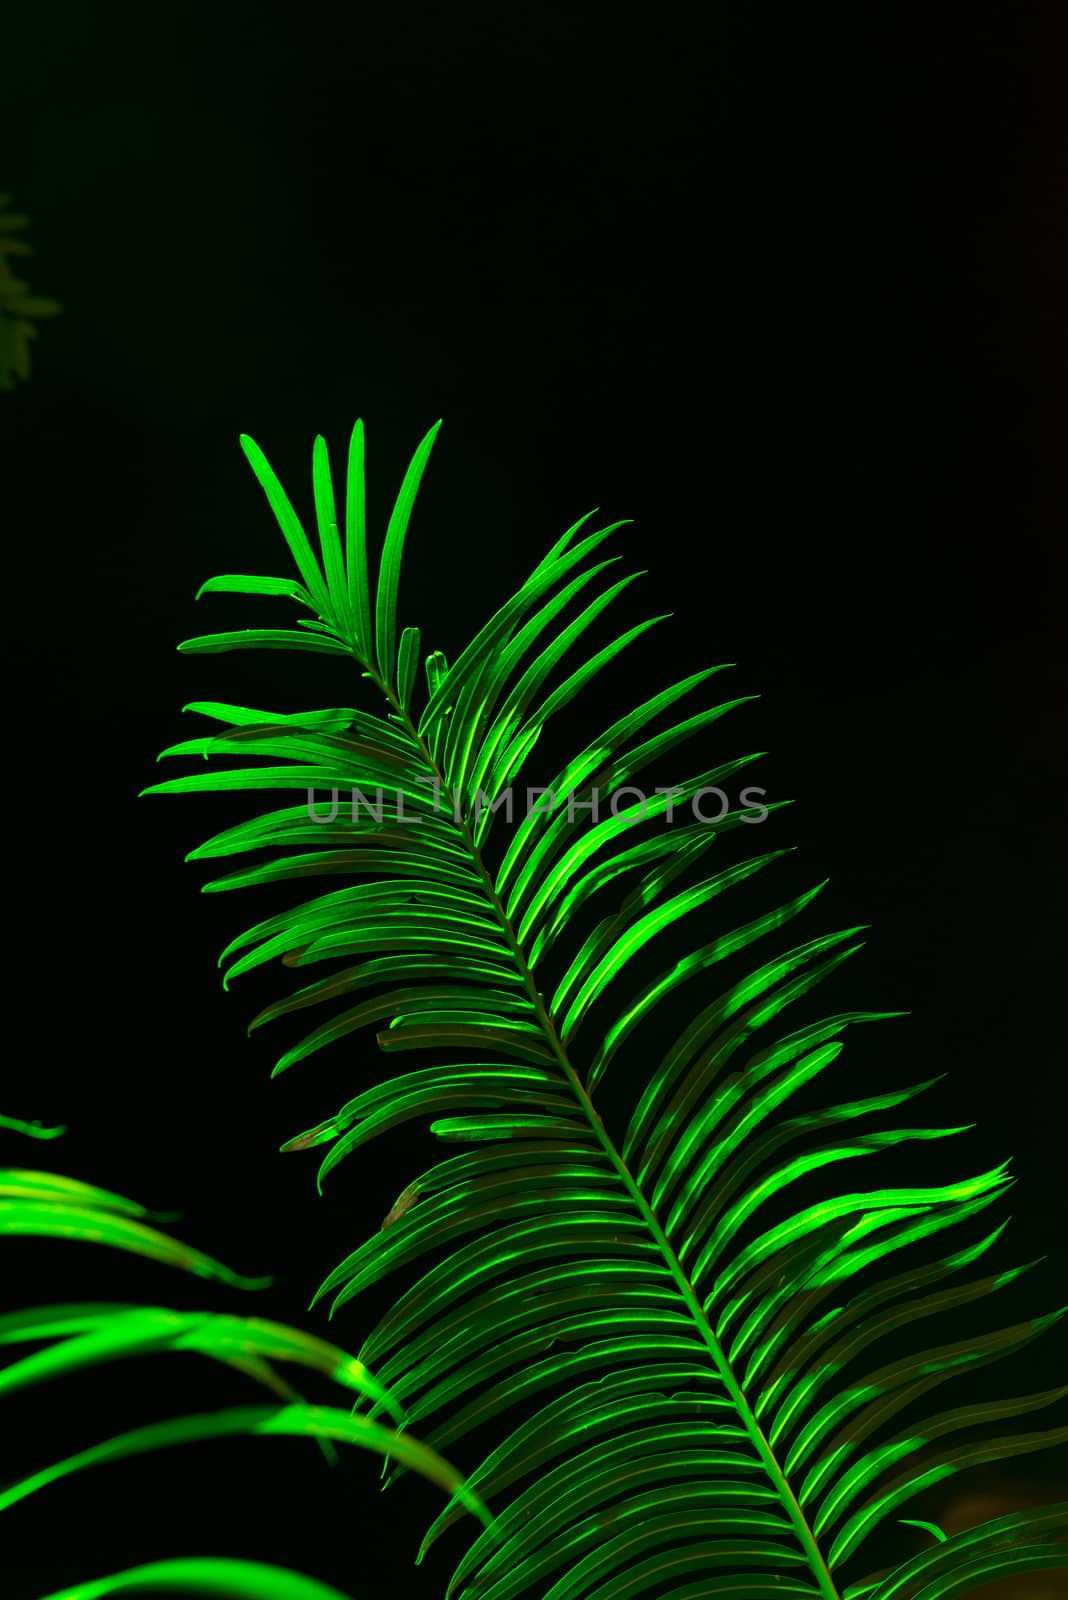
(32, 1130)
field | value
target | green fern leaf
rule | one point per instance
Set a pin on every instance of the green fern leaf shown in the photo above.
(712, 1365)
(74, 1338)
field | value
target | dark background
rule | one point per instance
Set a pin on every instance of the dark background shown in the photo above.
(787, 288)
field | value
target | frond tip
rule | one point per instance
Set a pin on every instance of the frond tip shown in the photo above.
(335, 584)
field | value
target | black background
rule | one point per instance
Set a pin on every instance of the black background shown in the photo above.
(784, 286)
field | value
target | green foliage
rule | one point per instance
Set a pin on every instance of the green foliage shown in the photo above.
(18, 307)
(722, 1380)
(73, 1338)
(206, 1575)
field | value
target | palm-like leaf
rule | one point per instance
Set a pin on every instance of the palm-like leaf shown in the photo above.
(716, 1411)
(76, 1337)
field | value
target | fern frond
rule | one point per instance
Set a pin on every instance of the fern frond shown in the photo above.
(712, 1361)
(76, 1337)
